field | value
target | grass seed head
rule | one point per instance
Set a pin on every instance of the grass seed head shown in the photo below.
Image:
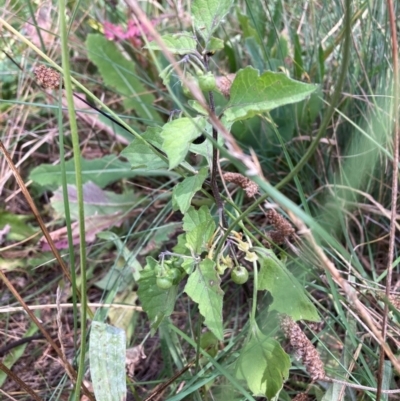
(303, 348)
(46, 77)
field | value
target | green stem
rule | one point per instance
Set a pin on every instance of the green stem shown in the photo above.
(214, 168)
(67, 218)
(79, 188)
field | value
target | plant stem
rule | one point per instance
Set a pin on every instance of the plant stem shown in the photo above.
(214, 168)
(79, 189)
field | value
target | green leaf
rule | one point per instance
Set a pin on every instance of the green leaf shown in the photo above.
(214, 45)
(195, 217)
(19, 228)
(185, 190)
(199, 227)
(179, 43)
(97, 201)
(321, 63)
(197, 107)
(206, 148)
(203, 287)
(107, 362)
(156, 302)
(253, 94)
(181, 247)
(124, 318)
(139, 154)
(298, 59)
(119, 72)
(289, 295)
(207, 15)
(102, 171)
(263, 364)
(178, 135)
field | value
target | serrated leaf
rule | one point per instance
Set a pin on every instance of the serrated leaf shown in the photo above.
(289, 295)
(263, 364)
(185, 190)
(141, 155)
(178, 135)
(180, 246)
(207, 15)
(199, 227)
(156, 302)
(101, 171)
(107, 362)
(179, 43)
(203, 287)
(195, 217)
(196, 240)
(253, 94)
(119, 73)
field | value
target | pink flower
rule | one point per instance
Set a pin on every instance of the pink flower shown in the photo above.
(132, 32)
(113, 32)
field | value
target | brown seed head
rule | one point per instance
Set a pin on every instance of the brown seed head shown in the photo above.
(46, 77)
(283, 229)
(243, 182)
(303, 347)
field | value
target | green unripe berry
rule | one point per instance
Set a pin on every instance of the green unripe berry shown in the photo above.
(239, 275)
(164, 283)
(207, 82)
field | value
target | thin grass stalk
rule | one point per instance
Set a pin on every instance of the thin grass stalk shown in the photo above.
(395, 176)
(79, 189)
(35, 24)
(67, 218)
